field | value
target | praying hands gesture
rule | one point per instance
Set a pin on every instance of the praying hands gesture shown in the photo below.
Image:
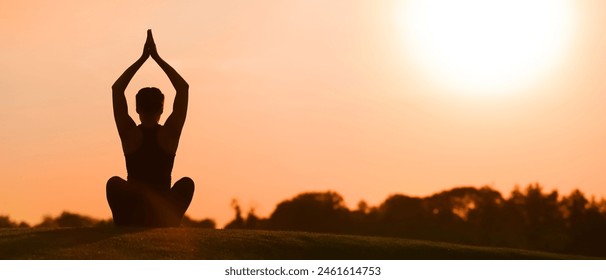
(149, 49)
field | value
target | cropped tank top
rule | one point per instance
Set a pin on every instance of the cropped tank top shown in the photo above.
(150, 164)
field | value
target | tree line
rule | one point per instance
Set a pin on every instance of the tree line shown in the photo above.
(69, 219)
(529, 218)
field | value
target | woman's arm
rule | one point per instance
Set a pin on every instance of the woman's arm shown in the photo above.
(123, 121)
(176, 120)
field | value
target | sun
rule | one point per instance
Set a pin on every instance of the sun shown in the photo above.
(486, 47)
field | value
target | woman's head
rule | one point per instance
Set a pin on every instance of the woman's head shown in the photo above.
(150, 101)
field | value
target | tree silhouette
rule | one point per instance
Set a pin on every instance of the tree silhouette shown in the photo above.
(538, 219)
(529, 218)
(238, 222)
(404, 216)
(585, 223)
(319, 212)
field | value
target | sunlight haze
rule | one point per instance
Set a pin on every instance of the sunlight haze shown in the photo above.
(487, 47)
(295, 96)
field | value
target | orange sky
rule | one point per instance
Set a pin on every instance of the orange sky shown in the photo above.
(285, 97)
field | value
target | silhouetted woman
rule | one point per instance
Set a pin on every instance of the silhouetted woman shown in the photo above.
(146, 197)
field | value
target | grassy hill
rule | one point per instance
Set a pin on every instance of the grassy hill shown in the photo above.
(192, 243)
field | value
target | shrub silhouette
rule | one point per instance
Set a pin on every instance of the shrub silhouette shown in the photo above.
(204, 223)
(6, 222)
(67, 219)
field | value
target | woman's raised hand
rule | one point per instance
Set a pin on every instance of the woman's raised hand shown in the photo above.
(150, 45)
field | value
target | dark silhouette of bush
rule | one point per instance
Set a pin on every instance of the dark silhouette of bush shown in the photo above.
(67, 219)
(6, 222)
(204, 223)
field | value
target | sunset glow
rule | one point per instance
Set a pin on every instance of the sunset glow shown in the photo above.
(364, 98)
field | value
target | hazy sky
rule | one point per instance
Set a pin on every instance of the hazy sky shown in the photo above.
(285, 97)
